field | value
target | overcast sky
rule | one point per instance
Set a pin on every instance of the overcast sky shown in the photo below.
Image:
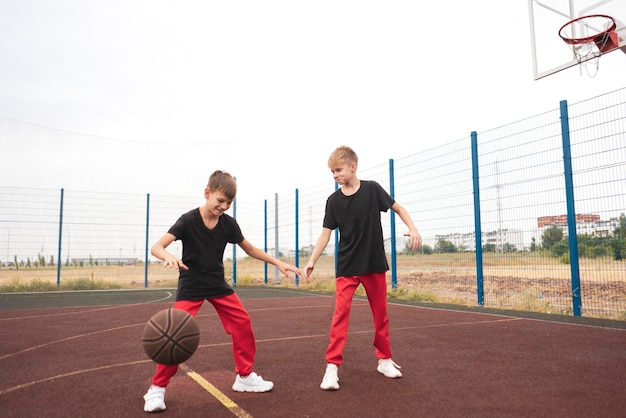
(152, 95)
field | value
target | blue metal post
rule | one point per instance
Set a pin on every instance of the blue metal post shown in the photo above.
(265, 238)
(392, 218)
(146, 259)
(235, 248)
(297, 237)
(60, 240)
(336, 238)
(571, 211)
(477, 223)
(276, 250)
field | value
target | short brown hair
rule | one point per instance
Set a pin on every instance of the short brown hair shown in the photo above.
(342, 154)
(223, 182)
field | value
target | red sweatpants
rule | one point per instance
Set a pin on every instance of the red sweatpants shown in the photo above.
(236, 323)
(375, 286)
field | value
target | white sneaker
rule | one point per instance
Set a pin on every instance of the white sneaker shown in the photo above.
(155, 399)
(330, 380)
(252, 383)
(389, 368)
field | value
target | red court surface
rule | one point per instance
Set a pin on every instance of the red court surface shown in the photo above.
(79, 354)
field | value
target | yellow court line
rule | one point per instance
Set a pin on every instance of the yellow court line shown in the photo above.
(217, 394)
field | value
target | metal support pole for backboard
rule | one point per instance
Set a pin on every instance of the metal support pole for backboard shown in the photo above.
(146, 259)
(60, 241)
(477, 223)
(392, 220)
(571, 211)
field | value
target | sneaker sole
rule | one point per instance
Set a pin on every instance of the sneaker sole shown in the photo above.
(251, 390)
(156, 409)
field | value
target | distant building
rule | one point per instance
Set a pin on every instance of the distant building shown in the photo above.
(499, 238)
(462, 242)
(560, 220)
(586, 224)
(113, 261)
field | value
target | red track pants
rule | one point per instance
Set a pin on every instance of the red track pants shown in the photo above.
(375, 285)
(236, 323)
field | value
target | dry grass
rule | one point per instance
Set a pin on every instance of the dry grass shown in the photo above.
(516, 281)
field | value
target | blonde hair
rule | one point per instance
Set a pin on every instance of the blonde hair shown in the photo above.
(223, 182)
(342, 154)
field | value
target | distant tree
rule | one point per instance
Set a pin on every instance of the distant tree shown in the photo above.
(592, 246)
(489, 248)
(560, 248)
(445, 246)
(551, 236)
(509, 248)
(426, 249)
(618, 241)
(533, 245)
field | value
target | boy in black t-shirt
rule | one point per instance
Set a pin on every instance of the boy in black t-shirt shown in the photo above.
(204, 232)
(355, 209)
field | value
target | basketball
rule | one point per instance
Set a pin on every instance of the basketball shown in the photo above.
(171, 337)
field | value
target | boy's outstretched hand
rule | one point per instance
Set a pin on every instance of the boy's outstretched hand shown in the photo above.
(286, 268)
(308, 270)
(415, 240)
(173, 262)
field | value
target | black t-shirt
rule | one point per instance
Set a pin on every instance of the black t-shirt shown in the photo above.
(361, 246)
(203, 253)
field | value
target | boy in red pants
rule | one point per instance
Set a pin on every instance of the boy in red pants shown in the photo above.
(204, 232)
(355, 209)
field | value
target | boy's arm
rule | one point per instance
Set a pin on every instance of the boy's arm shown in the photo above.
(319, 248)
(159, 251)
(259, 254)
(415, 239)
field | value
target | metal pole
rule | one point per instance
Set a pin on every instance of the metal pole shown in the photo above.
(265, 238)
(235, 248)
(60, 240)
(147, 254)
(297, 238)
(276, 251)
(571, 211)
(477, 223)
(336, 238)
(392, 218)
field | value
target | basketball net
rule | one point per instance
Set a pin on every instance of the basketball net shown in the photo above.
(588, 57)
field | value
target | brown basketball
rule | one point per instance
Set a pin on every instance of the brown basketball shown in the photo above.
(171, 336)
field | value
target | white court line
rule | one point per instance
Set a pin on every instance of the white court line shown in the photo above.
(82, 311)
(74, 373)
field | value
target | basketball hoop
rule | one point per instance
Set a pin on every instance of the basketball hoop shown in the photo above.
(590, 37)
